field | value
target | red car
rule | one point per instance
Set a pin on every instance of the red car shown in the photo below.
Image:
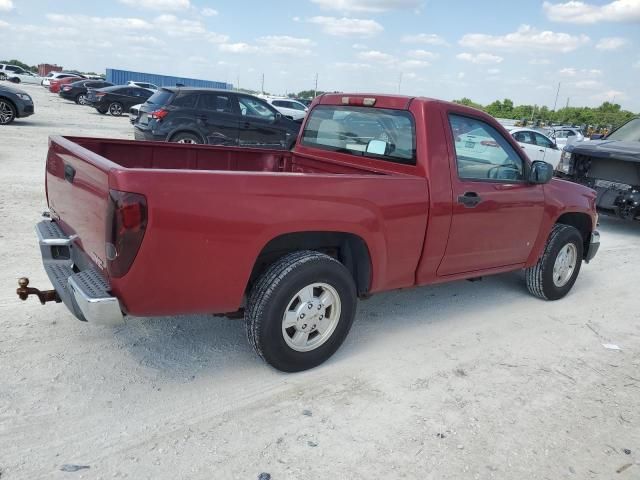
(378, 194)
(56, 84)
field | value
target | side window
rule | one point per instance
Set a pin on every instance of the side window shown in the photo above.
(252, 107)
(524, 137)
(297, 106)
(482, 153)
(186, 101)
(216, 102)
(279, 103)
(571, 133)
(543, 141)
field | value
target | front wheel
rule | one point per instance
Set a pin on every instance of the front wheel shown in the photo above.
(3, 76)
(558, 267)
(81, 99)
(300, 310)
(7, 112)
(186, 137)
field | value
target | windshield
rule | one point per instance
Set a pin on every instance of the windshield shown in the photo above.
(629, 132)
(161, 97)
(363, 131)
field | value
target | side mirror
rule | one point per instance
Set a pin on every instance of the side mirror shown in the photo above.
(277, 118)
(540, 173)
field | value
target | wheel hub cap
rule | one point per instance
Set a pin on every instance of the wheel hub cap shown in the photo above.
(565, 265)
(311, 317)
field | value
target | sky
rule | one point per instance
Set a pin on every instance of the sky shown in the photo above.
(517, 49)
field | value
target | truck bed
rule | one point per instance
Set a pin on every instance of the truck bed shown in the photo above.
(212, 210)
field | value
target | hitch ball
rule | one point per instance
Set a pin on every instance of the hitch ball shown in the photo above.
(44, 296)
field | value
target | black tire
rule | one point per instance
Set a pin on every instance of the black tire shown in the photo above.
(540, 277)
(186, 137)
(81, 99)
(101, 110)
(273, 292)
(7, 112)
(14, 80)
(116, 109)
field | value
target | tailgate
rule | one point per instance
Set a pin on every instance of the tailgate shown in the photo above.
(77, 193)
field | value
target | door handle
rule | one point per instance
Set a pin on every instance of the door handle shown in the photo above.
(541, 151)
(469, 199)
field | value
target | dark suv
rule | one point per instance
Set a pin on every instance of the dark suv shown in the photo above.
(215, 117)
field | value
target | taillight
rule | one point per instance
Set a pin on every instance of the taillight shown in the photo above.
(66, 88)
(100, 94)
(367, 101)
(126, 224)
(158, 114)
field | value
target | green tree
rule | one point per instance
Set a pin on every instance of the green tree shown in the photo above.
(22, 65)
(469, 103)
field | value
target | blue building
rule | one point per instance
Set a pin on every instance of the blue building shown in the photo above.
(121, 77)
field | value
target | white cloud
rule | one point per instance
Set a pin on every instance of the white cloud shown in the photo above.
(351, 66)
(493, 71)
(161, 5)
(213, 37)
(4, 24)
(6, 5)
(347, 26)
(609, 96)
(584, 13)
(544, 87)
(426, 38)
(272, 44)
(100, 23)
(525, 38)
(370, 6)
(539, 61)
(611, 43)
(582, 73)
(480, 58)
(409, 64)
(359, 46)
(209, 12)
(177, 27)
(376, 56)
(461, 75)
(239, 47)
(587, 84)
(422, 54)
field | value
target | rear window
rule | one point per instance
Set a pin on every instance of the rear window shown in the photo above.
(161, 97)
(363, 131)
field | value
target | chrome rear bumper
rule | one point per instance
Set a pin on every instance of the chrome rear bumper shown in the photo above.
(79, 283)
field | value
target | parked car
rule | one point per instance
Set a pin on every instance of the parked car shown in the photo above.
(77, 91)
(289, 108)
(215, 117)
(134, 112)
(7, 70)
(148, 86)
(14, 103)
(57, 83)
(537, 145)
(25, 77)
(46, 81)
(305, 101)
(564, 135)
(117, 99)
(611, 166)
(296, 237)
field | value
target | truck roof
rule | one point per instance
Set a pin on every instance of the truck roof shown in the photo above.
(382, 100)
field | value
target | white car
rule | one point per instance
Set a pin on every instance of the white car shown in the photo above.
(46, 81)
(287, 107)
(148, 86)
(25, 77)
(537, 145)
(7, 71)
(566, 135)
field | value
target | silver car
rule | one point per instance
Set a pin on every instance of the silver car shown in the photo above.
(565, 135)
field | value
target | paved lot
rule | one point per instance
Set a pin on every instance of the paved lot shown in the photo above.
(460, 381)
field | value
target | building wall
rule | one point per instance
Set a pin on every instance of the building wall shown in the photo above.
(45, 68)
(121, 77)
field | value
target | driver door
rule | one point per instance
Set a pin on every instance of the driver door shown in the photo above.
(496, 214)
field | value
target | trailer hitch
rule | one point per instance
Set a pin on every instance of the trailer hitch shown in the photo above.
(44, 296)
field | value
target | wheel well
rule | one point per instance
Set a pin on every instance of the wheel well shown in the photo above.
(349, 249)
(582, 222)
(174, 134)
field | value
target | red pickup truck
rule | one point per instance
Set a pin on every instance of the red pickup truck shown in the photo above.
(380, 192)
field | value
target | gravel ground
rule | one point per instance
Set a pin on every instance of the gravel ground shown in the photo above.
(465, 380)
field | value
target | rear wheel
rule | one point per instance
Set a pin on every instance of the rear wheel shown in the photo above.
(7, 112)
(3, 76)
(186, 137)
(558, 267)
(115, 109)
(81, 99)
(300, 310)
(14, 80)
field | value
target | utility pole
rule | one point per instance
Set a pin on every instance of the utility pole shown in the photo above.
(262, 85)
(567, 105)
(533, 111)
(238, 82)
(315, 90)
(399, 82)
(557, 93)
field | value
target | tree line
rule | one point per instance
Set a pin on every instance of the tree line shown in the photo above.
(608, 115)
